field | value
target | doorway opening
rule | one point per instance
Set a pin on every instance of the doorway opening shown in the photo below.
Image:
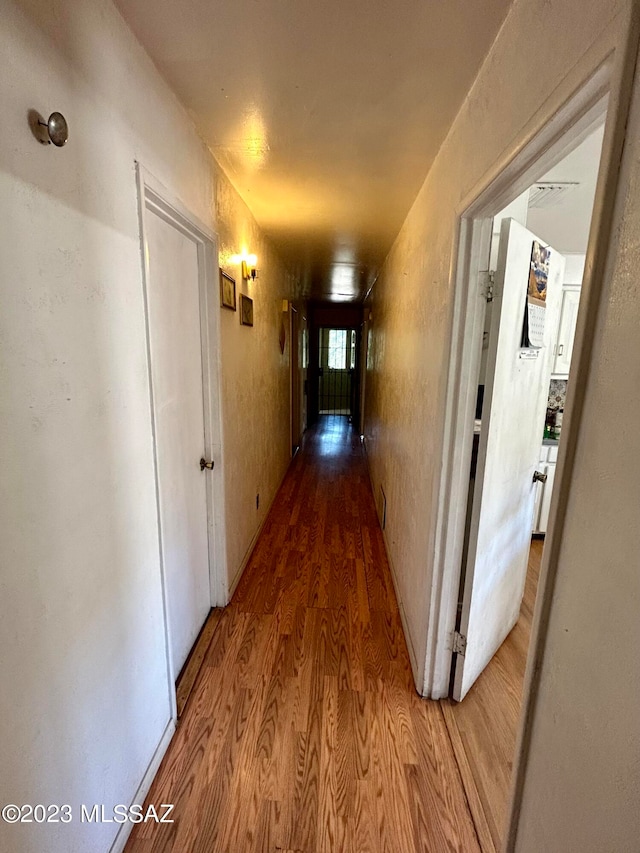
(458, 632)
(538, 245)
(337, 367)
(537, 252)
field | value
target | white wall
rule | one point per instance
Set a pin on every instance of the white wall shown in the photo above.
(582, 781)
(542, 52)
(574, 268)
(84, 700)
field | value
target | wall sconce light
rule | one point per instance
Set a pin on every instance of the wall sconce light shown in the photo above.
(248, 265)
(249, 270)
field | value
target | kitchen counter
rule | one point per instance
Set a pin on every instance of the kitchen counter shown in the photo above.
(550, 442)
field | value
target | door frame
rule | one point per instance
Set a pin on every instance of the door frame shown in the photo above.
(154, 198)
(295, 421)
(355, 376)
(364, 357)
(564, 131)
(601, 81)
(605, 89)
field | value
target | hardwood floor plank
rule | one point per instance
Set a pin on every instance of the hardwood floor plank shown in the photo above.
(304, 816)
(450, 823)
(187, 678)
(255, 650)
(383, 815)
(394, 781)
(375, 661)
(356, 660)
(399, 701)
(213, 809)
(363, 822)
(267, 835)
(331, 822)
(363, 597)
(476, 805)
(232, 621)
(345, 756)
(273, 704)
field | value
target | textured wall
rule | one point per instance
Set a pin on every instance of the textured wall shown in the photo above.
(527, 70)
(255, 379)
(81, 627)
(582, 783)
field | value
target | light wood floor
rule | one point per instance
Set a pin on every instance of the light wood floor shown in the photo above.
(483, 727)
(303, 731)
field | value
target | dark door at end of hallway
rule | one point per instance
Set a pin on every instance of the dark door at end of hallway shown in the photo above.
(337, 367)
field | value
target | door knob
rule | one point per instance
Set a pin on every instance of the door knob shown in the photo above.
(539, 477)
(204, 464)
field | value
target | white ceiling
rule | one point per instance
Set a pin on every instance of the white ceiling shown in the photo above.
(325, 116)
(565, 225)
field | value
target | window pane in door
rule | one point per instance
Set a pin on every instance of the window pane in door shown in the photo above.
(337, 349)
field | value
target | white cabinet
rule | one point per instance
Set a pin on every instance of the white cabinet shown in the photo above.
(566, 332)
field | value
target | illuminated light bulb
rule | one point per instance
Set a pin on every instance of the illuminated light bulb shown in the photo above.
(248, 262)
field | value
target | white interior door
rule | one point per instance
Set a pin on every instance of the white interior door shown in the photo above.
(513, 416)
(566, 332)
(176, 370)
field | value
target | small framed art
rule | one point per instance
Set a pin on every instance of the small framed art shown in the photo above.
(227, 291)
(246, 310)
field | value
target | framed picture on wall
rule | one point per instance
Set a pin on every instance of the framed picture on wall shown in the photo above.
(246, 310)
(227, 291)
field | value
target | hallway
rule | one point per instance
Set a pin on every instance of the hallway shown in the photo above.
(304, 731)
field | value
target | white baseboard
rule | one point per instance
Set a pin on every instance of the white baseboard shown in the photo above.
(143, 789)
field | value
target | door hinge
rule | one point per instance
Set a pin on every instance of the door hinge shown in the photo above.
(459, 643)
(487, 284)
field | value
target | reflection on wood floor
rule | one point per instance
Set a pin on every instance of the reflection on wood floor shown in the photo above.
(303, 731)
(483, 727)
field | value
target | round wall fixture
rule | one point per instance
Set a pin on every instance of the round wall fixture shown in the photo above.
(57, 129)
